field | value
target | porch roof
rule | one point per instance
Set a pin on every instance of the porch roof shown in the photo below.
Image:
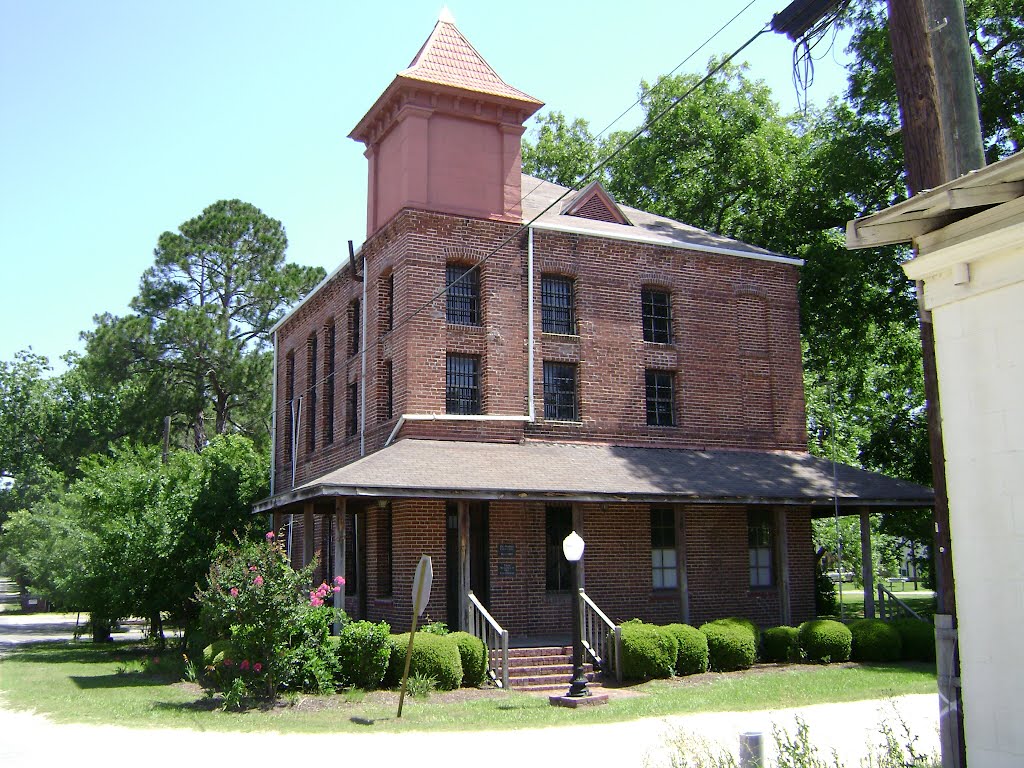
(535, 470)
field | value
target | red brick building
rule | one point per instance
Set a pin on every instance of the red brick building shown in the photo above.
(504, 360)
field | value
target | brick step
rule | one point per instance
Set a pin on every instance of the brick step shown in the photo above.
(555, 650)
(549, 683)
(545, 669)
(536, 661)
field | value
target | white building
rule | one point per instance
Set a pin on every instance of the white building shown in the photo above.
(969, 241)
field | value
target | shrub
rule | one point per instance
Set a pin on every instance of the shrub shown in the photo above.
(732, 644)
(363, 653)
(473, 653)
(824, 594)
(647, 651)
(825, 640)
(258, 601)
(875, 640)
(435, 628)
(918, 639)
(780, 644)
(435, 656)
(692, 656)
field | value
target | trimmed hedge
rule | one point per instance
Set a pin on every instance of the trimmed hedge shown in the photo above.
(780, 644)
(732, 644)
(875, 640)
(825, 640)
(363, 653)
(473, 653)
(647, 651)
(692, 656)
(918, 639)
(435, 656)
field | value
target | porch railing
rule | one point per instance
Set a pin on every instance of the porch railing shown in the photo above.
(891, 607)
(495, 639)
(602, 638)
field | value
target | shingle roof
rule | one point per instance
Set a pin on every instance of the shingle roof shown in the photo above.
(448, 58)
(647, 227)
(589, 472)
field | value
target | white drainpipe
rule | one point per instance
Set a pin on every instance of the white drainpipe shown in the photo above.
(273, 426)
(482, 416)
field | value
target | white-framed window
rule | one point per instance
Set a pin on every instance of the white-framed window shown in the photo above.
(664, 573)
(760, 543)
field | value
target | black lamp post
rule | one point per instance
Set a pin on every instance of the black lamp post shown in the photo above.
(572, 548)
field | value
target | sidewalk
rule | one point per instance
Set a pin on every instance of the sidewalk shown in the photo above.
(32, 741)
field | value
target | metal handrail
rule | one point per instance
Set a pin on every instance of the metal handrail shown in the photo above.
(891, 607)
(494, 638)
(602, 638)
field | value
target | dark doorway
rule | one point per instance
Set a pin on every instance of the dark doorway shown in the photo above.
(478, 554)
(355, 560)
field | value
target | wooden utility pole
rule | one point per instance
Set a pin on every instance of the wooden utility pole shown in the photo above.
(941, 142)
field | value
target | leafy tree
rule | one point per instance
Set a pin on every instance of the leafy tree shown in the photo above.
(200, 333)
(564, 153)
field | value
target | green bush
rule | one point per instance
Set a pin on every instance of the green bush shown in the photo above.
(474, 658)
(363, 653)
(918, 639)
(692, 656)
(215, 653)
(780, 644)
(309, 661)
(732, 644)
(824, 594)
(435, 656)
(647, 651)
(875, 640)
(825, 640)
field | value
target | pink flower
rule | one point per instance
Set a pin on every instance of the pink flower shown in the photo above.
(244, 666)
(258, 581)
(315, 602)
(234, 591)
(227, 662)
(336, 590)
(339, 581)
(257, 667)
(270, 535)
(156, 659)
(253, 568)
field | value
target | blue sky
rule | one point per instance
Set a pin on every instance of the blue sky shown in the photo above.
(120, 120)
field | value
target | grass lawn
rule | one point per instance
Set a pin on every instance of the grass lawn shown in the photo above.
(83, 683)
(922, 601)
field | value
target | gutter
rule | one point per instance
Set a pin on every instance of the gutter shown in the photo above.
(529, 419)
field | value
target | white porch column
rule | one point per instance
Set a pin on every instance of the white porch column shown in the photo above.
(867, 571)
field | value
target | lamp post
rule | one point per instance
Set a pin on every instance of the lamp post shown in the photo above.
(572, 548)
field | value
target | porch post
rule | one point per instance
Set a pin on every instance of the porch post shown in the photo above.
(785, 590)
(307, 533)
(339, 552)
(464, 615)
(867, 571)
(277, 522)
(684, 589)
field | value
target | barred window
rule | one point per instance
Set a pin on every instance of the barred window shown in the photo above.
(557, 525)
(311, 362)
(353, 409)
(557, 305)
(332, 338)
(463, 285)
(355, 324)
(560, 392)
(462, 391)
(657, 316)
(663, 548)
(660, 398)
(760, 540)
(388, 404)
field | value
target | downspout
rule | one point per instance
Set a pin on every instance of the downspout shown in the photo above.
(529, 419)
(273, 424)
(296, 418)
(362, 385)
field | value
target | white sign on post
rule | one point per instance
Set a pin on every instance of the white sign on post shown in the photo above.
(421, 584)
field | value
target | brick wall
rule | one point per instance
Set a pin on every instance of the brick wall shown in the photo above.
(735, 353)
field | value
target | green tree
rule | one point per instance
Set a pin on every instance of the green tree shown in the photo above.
(564, 153)
(200, 332)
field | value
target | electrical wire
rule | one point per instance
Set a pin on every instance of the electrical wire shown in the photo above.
(593, 172)
(803, 51)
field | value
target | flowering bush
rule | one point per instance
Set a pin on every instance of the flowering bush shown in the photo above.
(277, 636)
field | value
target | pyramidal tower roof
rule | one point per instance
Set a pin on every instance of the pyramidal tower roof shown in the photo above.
(448, 58)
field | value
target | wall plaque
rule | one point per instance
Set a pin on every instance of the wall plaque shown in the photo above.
(506, 569)
(506, 550)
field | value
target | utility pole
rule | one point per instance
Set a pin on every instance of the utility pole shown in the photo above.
(941, 142)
